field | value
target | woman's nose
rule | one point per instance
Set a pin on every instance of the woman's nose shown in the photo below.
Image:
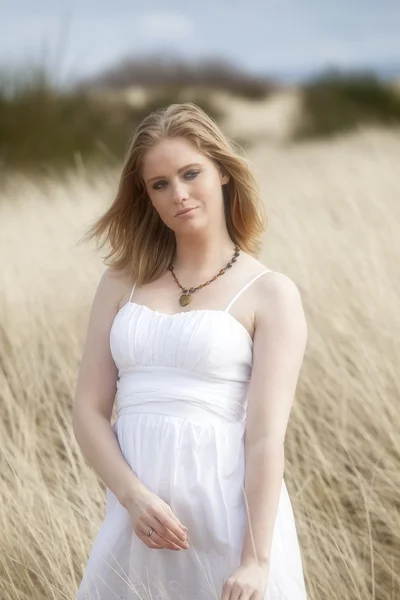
(179, 191)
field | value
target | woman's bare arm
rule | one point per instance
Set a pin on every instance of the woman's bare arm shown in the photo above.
(280, 340)
(95, 394)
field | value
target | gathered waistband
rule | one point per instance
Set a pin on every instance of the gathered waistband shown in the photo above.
(174, 392)
(176, 409)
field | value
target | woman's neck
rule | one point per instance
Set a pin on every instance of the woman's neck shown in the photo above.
(203, 259)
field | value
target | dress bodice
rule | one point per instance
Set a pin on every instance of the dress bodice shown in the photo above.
(201, 357)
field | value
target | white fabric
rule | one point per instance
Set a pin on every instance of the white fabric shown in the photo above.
(181, 406)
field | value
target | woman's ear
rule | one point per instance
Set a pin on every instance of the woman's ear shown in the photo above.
(225, 177)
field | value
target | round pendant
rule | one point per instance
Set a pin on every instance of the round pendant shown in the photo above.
(185, 299)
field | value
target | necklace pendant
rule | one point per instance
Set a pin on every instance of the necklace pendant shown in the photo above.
(185, 299)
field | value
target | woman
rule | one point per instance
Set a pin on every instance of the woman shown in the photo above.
(204, 346)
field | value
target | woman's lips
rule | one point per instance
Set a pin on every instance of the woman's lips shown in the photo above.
(189, 210)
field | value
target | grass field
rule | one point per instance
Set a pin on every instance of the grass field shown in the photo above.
(334, 210)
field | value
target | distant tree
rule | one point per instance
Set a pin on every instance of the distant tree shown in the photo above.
(156, 70)
(334, 102)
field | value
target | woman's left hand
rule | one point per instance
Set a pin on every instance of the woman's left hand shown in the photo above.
(247, 582)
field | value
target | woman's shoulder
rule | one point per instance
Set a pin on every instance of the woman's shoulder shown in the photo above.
(271, 286)
(279, 302)
(117, 282)
(115, 278)
(276, 286)
(270, 280)
(276, 283)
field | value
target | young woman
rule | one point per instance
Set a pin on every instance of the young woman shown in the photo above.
(202, 346)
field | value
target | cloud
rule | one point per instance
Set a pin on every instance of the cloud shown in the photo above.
(273, 36)
(165, 26)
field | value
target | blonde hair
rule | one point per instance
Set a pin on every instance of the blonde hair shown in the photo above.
(142, 246)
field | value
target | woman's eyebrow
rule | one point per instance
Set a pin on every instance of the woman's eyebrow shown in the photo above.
(179, 171)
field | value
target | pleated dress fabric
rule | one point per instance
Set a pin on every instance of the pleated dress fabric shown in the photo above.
(181, 406)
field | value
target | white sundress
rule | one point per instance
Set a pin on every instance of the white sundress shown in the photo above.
(181, 406)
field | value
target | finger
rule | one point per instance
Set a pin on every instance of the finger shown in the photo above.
(165, 534)
(148, 541)
(236, 594)
(164, 542)
(225, 593)
(170, 526)
(158, 539)
(171, 513)
(227, 590)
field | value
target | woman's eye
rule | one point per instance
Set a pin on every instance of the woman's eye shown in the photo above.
(192, 173)
(156, 186)
(189, 174)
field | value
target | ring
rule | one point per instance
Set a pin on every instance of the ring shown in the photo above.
(150, 531)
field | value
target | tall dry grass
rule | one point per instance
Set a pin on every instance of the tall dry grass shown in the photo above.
(334, 228)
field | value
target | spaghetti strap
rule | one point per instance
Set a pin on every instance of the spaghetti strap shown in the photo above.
(245, 288)
(133, 289)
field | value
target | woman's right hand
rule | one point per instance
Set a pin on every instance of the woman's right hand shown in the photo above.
(149, 510)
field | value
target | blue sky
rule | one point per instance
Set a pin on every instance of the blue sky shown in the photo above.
(281, 37)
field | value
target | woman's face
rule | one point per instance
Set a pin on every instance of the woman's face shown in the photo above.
(177, 176)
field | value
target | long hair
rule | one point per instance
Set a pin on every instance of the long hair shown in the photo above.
(142, 246)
